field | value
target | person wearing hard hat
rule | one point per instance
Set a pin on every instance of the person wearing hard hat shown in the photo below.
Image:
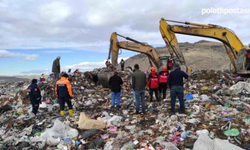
(153, 83)
(42, 78)
(77, 72)
(163, 78)
(64, 93)
(170, 64)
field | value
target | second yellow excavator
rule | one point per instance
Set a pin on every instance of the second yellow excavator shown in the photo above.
(237, 52)
(132, 45)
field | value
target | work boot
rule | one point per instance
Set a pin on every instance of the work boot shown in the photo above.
(71, 112)
(62, 112)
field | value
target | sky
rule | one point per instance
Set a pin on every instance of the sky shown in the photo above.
(33, 33)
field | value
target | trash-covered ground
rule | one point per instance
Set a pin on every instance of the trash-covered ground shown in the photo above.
(217, 117)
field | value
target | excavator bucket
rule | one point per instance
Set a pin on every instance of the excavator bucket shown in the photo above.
(103, 79)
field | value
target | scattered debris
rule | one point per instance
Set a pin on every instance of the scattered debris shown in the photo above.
(217, 117)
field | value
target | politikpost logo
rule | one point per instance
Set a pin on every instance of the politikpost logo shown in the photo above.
(220, 10)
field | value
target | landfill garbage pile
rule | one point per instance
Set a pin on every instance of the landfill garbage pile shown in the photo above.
(217, 117)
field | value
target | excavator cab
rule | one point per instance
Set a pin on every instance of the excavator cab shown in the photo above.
(163, 62)
(243, 62)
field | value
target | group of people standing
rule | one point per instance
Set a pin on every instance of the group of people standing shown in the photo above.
(63, 90)
(122, 63)
(156, 83)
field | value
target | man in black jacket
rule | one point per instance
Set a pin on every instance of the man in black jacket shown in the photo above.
(35, 96)
(115, 81)
(175, 81)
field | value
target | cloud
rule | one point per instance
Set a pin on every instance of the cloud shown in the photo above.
(57, 52)
(87, 25)
(54, 12)
(89, 66)
(36, 71)
(7, 54)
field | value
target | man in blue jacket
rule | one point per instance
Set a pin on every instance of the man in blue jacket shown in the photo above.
(175, 81)
(122, 64)
(35, 96)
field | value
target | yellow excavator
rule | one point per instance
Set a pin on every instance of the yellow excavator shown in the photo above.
(132, 45)
(236, 51)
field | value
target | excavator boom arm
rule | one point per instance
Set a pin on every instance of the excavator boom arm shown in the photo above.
(226, 36)
(115, 45)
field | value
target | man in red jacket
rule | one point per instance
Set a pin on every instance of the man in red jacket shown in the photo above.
(153, 84)
(163, 78)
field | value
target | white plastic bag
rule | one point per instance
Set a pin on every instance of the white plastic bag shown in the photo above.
(108, 145)
(128, 145)
(204, 142)
(204, 97)
(116, 120)
(59, 131)
(199, 132)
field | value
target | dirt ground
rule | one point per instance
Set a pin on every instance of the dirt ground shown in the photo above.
(200, 55)
(4, 79)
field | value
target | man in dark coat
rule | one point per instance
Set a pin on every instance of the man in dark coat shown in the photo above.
(56, 69)
(115, 81)
(34, 95)
(122, 64)
(175, 81)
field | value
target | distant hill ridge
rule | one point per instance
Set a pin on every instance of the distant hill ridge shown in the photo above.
(199, 55)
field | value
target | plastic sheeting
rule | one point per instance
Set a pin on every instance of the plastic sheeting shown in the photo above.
(59, 131)
(240, 86)
(205, 143)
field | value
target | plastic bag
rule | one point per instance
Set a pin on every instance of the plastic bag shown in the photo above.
(205, 88)
(116, 120)
(88, 134)
(205, 143)
(59, 131)
(169, 145)
(228, 104)
(239, 87)
(108, 145)
(128, 146)
(204, 97)
(232, 132)
(189, 96)
(199, 132)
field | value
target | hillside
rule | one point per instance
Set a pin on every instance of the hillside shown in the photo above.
(200, 55)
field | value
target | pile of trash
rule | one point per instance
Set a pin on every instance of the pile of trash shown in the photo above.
(217, 117)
